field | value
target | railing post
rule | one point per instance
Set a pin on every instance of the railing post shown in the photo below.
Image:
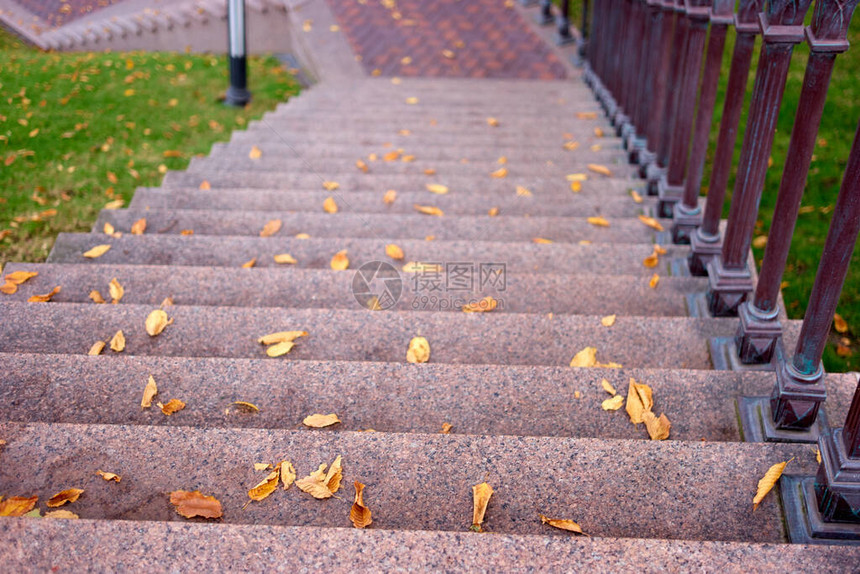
(630, 81)
(706, 242)
(564, 36)
(729, 278)
(827, 36)
(655, 85)
(584, 33)
(544, 17)
(687, 213)
(635, 141)
(671, 184)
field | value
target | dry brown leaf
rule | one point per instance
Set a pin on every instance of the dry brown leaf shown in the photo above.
(598, 221)
(172, 406)
(247, 406)
(639, 400)
(493, 122)
(651, 261)
(280, 349)
(391, 156)
(428, 210)
(586, 115)
(330, 185)
(840, 324)
(500, 173)
(607, 386)
(523, 192)
(655, 279)
(659, 249)
(138, 227)
(437, 188)
(568, 525)
(250, 263)
(17, 505)
(46, 297)
(340, 262)
(190, 504)
(485, 305)
(117, 343)
(359, 513)
(418, 351)
(97, 251)
(541, 240)
(481, 494)
(271, 227)
(109, 476)
(636, 197)
(156, 321)
(314, 483)
(97, 348)
(186, 232)
(62, 515)
(494, 211)
(389, 197)
(429, 171)
(267, 486)
(262, 466)
(446, 428)
(362, 166)
(601, 169)
(115, 204)
(612, 404)
(116, 291)
(205, 185)
(394, 251)
(255, 153)
(658, 427)
(608, 321)
(768, 481)
(64, 497)
(576, 186)
(585, 358)
(288, 474)
(318, 421)
(651, 222)
(330, 205)
(149, 393)
(570, 145)
(281, 337)
(285, 258)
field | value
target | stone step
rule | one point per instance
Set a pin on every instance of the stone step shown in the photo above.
(127, 546)
(326, 289)
(458, 338)
(369, 199)
(234, 251)
(399, 102)
(348, 223)
(386, 397)
(626, 489)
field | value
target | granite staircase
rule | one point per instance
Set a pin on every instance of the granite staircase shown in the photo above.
(523, 420)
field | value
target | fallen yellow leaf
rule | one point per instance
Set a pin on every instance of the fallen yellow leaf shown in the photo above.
(608, 321)
(437, 188)
(613, 404)
(302, 236)
(394, 251)
(492, 122)
(109, 476)
(17, 505)
(636, 197)
(576, 186)
(138, 227)
(651, 261)
(523, 192)
(655, 279)
(250, 263)
(598, 221)
(247, 406)
(117, 343)
(329, 205)
(330, 185)
(576, 177)
(659, 249)
(64, 497)
(172, 406)
(494, 211)
(412, 100)
(190, 504)
(46, 297)
(607, 386)
(639, 400)
(281, 337)
(651, 222)
(658, 427)
(255, 153)
(418, 351)
(280, 349)
(446, 428)
(318, 421)
(288, 474)
(568, 525)
(20, 277)
(598, 132)
(359, 514)
(340, 262)
(62, 515)
(285, 258)
(389, 197)
(428, 210)
(205, 185)
(96, 349)
(429, 171)
(601, 169)
(320, 484)
(541, 240)
(149, 393)
(156, 321)
(481, 494)
(585, 358)
(271, 227)
(500, 173)
(768, 481)
(840, 324)
(116, 290)
(97, 251)
(267, 486)
(485, 305)
(362, 166)
(570, 145)
(760, 242)
(586, 115)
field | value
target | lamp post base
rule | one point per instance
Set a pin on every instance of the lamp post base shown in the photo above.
(237, 97)
(803, 519)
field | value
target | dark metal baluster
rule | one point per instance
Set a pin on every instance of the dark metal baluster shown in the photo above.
(652, 72)
(584, 32)
(687, 213)
(729, 278)
(828, 36)
(631, 48)
(637, 73)
(544, 18)
(635, 141)
(705, 243)
(564, 36)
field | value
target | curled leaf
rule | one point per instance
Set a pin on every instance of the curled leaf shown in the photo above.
(271, 227)
(267, 486)
(428, 210)
(601, 169)
(320, 421)
(651, 222)
(568, 525)
(62, 514)
(247, 406)
(651, 261)
(172, 406)
(97, 348)
(190, 504)
(389, 197)
(288, 474)
(116, 291)
(768, 481)
(138, 227)
(156, 321)
(639, 400)
(117, 343)
(330, 185)
(598, 221)
(109, 476)
(64, 497)
(46, 297)
(446, 428)
(500, 173)
(607, 386)
(149, 393)
(658, 427)
(249, 264)
(655, 279)
(636, 197)
(330, 205)
(481, 494)
(418, 351)
(359, 514)
(17, 505)
(612, 404)
(340, 262)
(97, 251)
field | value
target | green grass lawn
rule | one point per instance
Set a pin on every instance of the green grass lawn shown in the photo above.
(81, 130)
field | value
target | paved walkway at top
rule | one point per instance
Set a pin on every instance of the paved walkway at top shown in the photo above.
(59, 12)
(445, 38)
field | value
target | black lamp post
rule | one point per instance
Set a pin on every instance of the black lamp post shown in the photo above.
(237, 93)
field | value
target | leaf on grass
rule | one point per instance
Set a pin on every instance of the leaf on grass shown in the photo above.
(340, 262)
(651, 222)
(428, 210)
(394, 251)
(190, 504)
(281, 337)
(658, 427)
(330, 185)
(500, 173)
(485, 305)
(607, 386)
(418, 351)
(437, 188)
(17, 505)
(271, 227)
(109, 476)
(288, 474)
(255, 153)
(156, 321)
(267, 486)
(598, 221)
(389, 197)
(840, 324)
(138, 227)
(64, 497)
(97, 251)
(247, 406)
(330, 205)
(149, 393)
(523, 192)
(318, 421)
(608, 321)
(768, 481)
(760, 242)
(116, 291)
(639, 400)
(115, 204)
(561, 524)
(359, 513)
(62, 515)
(285, 258)
(597, 168)
(250, 263)
(481, 494)
(46, 297)
(117, 343)
(613, 404)
(655, 279)
(172, 406)
(96, 349)
(446, 428)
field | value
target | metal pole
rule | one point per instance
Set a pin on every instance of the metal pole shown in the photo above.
(237, 94)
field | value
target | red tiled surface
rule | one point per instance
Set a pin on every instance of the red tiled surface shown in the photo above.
(59, 12)
(486, 39)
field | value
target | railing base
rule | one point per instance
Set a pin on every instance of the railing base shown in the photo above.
(803, 519)
(669, 195)
(757, 334)
(727, 288)
(724, 350)
(653, 173)
(686, 222)
(757, 424)
(703, 252)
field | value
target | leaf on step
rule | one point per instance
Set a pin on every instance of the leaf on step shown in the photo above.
(117, 343)
(262, 466)
(418, 351)
(485, 305)
(109, 476)
(437, 188)
(46, 297)
(541, 240)
(167, 302)
(330, 205)
(655, 279)
(96, 297)
(17, 505)
(97, 251)
(250, 263)
(288, 474)
(601, 169)
(570, 145)
(186, 232)
(429, 171)
(636, 197)
(392, 155)
(302, 236)
(768, 481)
(607, 386)
(598, 132)
(840, 324)
(394, 251)
(412, 100)
(446, 428)
(428, 210)
(281, 337)
(493, 122)
(285, 258)
(267, 486)
(244, 405)
(108, 229)
(318, 421)
(62, 515)
(408, 158)
(149, 393)
(340, 261)
(280, 349)
(576, 186)
(586, 115)
(500, 173)
(96, 349)
(561, 524)
(330, 185)
(639, 400)
(320, 484)
(576, 177)
(255, 153)
(138, 227)
(585, 358)
(156, 321)
(503, 160)
(523, 192)
(172, 406)
(271, 227)
(116, 291)
(612, 404)
(190, 504)
(8, 288)
(651, 222)
(651, 261)
(359, 513)
(64, 497)
(658, 427)
(494, 211)
(481, 494)
(18, 278)
(389, 197)
(598, 221)
(205, 185)
(360, 164)
(659, 249)
(608, 321)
